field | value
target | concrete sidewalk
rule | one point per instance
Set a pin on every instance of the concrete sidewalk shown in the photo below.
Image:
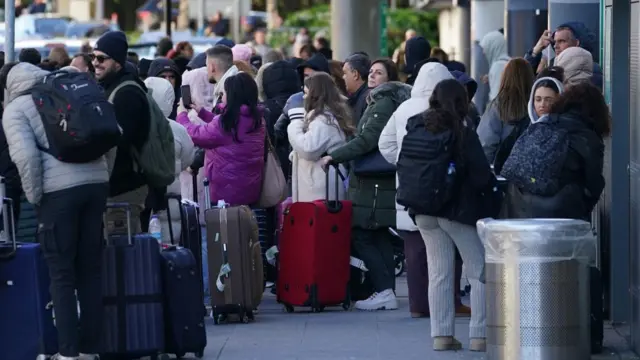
(339, 335)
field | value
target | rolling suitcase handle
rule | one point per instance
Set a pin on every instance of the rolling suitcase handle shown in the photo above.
(333, 206)
(9, 223)
(182, 220)
(127, 208)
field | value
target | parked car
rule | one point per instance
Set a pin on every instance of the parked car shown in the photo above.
(72, 46)
(41, 26)
(148, 49)
(89, 29)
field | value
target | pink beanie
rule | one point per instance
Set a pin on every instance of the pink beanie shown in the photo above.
(242, 52)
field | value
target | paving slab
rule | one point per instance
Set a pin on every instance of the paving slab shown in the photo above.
(340, 335)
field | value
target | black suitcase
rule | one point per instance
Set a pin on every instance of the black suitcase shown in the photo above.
(183, 292)
(132, 293)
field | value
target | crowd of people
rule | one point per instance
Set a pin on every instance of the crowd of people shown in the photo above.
(406, 133)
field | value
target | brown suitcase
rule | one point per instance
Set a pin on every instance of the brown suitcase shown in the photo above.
(235, 261)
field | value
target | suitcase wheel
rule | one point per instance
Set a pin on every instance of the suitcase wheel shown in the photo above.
(245, 319)
(199, 354)
(219, 319)
(346, 306)
(288, 308)
(318, 309)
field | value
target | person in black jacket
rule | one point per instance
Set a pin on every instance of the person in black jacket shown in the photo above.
(132, 112)
(168, 70)
(465, 177)
(581, 110)
(279, 81)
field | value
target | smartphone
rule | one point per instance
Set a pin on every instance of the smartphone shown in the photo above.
(185, 91)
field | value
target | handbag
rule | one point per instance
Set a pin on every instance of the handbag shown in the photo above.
(373, 164)
(274, 185)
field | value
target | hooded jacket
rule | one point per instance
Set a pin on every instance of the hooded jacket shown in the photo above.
(577, 64)
(201, 88)
(162, 92)
(532, 109)
(494, 47)
(279, 81)
(161, 65)
(473, 118)
(416, 50)
(581, 176)
(390, 141)
(383, 100)
(588, 41)
(40, 172)
(234, 169)
(294, 108)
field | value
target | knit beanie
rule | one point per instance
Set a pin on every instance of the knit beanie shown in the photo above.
(114, 44)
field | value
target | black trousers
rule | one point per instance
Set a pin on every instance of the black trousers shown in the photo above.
(375, 248)
(70, 233)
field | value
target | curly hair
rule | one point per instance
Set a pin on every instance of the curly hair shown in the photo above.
(586, 99)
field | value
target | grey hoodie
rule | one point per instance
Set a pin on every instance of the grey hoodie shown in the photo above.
(40, 172)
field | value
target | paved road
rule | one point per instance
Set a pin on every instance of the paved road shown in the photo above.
(339, 335)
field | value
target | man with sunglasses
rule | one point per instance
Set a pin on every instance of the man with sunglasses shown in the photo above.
(126, 185)
(567, 35)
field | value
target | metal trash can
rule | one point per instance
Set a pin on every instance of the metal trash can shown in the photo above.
(537, 288)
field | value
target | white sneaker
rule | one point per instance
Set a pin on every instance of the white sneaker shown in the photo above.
(89, 357)
(60, 357)
(385, 300)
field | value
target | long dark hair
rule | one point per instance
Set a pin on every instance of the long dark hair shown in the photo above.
(587, 101)
(448, 107)
(241, 91)
(324, 97)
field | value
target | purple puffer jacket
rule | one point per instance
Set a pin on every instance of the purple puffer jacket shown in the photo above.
(234, 169)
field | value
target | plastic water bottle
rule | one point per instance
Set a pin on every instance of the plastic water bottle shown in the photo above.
(452, 169)
(155, 229)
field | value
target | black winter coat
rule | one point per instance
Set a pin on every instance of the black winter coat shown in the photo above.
(581, 178)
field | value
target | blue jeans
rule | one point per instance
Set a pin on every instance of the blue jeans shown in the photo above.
(205, 267)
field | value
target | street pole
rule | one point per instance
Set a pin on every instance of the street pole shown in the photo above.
(99, 10)
(201, 14)
(10, 32)
(235, 23)
(168, 15)
(272, 9)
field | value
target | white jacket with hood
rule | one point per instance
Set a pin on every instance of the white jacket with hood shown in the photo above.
(39, 171)
(164, 95)
(532, 110)
(311, 140)
(494, 46)
(390, 141)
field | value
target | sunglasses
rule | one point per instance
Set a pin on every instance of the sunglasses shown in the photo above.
(99, 58)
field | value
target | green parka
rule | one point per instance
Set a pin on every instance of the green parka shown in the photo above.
(383, 101)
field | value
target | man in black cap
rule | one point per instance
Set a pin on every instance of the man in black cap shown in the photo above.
(128, 94)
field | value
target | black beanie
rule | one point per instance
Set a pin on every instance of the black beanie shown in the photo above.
(114, 44)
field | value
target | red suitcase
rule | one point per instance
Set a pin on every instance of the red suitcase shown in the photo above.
(314, 253)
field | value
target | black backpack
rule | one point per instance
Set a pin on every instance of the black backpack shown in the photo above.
(79, 122)
(426, 169)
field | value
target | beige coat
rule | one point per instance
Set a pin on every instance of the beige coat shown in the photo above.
(310, 141)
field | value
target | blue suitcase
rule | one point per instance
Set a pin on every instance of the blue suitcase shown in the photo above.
(132, 294)
(183, 291)
(27, 329)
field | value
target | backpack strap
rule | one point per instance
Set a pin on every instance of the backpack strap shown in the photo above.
(120, 86)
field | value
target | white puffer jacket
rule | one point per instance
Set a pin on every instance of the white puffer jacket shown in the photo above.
(164, 95)
(39, 171)
(390, 141)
